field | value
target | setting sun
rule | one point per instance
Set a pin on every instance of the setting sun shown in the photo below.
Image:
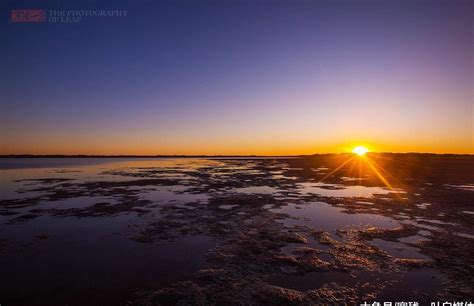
(360, 150)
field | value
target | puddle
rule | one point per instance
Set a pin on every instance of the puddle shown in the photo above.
(404, 287)
(464, 235)
(351, 179)
(284, 177)
(322, 169)
(402, 216)
(311, 280)
(366, 203)
(227, 207)
(341, 191)
(423, 205)
(69, 257)
(468, 187)
(312, 243)
(176, 194)
(422, 225)
(322, 216)
(408, 288)
(79, 202)
(398, 249)
(256, 189)
(433, 221)
(415, 238)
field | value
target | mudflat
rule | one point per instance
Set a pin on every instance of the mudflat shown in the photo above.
(323, 229)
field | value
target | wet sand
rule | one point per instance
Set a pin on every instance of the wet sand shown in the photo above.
(238, 230)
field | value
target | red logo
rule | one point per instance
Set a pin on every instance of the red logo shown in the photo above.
(28, 16)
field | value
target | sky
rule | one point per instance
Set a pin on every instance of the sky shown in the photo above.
(225, 77)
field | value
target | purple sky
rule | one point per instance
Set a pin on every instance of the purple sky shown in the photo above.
(239, 77)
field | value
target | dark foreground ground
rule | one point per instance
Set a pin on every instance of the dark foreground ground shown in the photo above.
(328, 229)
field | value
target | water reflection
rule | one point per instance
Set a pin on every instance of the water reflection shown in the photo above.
(323, 216)
(399, 250)
(69, 223)
(257, 190)
(91, 255)
(341, 191)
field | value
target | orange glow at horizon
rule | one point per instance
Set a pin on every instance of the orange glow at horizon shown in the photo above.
(205, 143)
(138, 146)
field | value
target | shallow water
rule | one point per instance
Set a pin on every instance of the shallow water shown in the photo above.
(398, 249)
(322, 216)
(78, 202)
(257, 189)
(66, 256)
(175, 194)
(397, 286)
(311, 280)
(61, 258)
(68, 227)
(341, 191)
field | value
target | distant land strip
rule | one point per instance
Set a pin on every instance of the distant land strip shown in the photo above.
(215, 156)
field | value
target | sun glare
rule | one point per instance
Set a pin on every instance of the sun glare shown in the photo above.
(360, 150)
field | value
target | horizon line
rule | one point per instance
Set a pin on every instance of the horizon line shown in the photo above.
(202, 155)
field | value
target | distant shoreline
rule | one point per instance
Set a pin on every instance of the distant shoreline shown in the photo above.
(213, 156)
(143, 156)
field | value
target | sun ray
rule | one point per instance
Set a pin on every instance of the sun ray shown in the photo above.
(352, 166)
(337, 169)
(379, 175)
(388, 174)
(359, 159)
